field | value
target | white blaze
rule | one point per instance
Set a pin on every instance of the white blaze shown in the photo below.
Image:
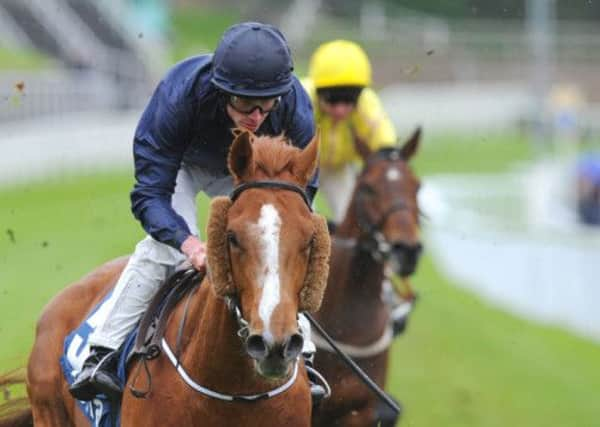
(393, 174)
(269, 225)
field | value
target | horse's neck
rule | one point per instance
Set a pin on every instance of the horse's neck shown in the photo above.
(360, 267)
(349, 228)
(212, 352)
(355, 284)
(352, 308)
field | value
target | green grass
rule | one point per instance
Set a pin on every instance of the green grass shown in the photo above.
(475, 153)
(461, 362)
(53, 233)
(21, 60)
(197, 31)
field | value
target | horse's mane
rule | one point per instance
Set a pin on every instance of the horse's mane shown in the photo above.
(273, 154)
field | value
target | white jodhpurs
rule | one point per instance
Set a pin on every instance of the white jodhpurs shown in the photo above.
(308, 348)
(152, 262)
(337, 185)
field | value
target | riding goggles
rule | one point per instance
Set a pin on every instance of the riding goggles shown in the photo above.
(340, 95)
(248, 105)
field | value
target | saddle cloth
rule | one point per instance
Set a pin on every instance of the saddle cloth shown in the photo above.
(77, 349)
(100, 411)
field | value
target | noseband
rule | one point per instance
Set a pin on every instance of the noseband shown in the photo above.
(374, 241)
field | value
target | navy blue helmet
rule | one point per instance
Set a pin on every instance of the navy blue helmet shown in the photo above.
(253, 60)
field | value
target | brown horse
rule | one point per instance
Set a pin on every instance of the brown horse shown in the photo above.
(268, 252)
(380, 228)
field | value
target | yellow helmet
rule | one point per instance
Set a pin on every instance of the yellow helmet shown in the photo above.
(339, 63)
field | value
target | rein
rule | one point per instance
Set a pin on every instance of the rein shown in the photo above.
(356, 351)
(354, 367)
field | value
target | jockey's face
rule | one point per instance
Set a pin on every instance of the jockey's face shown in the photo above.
(250, 113)
(338, 102)
(338, 111)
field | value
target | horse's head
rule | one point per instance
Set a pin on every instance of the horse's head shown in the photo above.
(385, 206)
(266, 249)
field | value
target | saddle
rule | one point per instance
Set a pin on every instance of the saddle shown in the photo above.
(152, 326)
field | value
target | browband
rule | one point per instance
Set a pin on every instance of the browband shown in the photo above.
(270, 184)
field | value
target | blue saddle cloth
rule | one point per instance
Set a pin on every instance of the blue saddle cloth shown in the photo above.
(76, 349)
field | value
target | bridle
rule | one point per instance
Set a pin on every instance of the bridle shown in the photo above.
(372, 239)
(235, 310)
(270, 184)
(232, 301)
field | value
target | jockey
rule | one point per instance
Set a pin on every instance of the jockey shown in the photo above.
(180, 149)
(346, 111)
(349, 115)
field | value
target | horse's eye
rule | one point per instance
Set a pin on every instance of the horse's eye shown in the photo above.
(232, 239)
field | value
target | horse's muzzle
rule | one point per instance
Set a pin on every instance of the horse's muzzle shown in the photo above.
(405, 257)
(274, 360)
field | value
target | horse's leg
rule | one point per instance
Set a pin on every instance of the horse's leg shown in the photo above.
(51, 402)
(44, 375)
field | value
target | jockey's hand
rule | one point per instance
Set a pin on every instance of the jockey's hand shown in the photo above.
(195, 250)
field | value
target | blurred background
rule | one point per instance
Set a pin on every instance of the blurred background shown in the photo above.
(507, 329)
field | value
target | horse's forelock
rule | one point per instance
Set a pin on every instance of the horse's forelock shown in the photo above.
(274, 155)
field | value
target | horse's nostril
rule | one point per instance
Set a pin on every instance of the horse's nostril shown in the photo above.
(418, 249)
(293, 346)
(408, 269)
(256, 347)
(406, 257)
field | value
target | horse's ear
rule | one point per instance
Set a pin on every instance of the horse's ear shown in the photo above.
(307, 160)
(410, 147)
(239, 160)
(217, 251)
(315, 281)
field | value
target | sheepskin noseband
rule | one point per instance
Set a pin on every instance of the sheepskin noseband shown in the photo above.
(315, 280)
(217, 250)
(217, 254)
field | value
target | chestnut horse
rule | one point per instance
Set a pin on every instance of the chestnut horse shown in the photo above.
(268, 254)
(380, 230)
